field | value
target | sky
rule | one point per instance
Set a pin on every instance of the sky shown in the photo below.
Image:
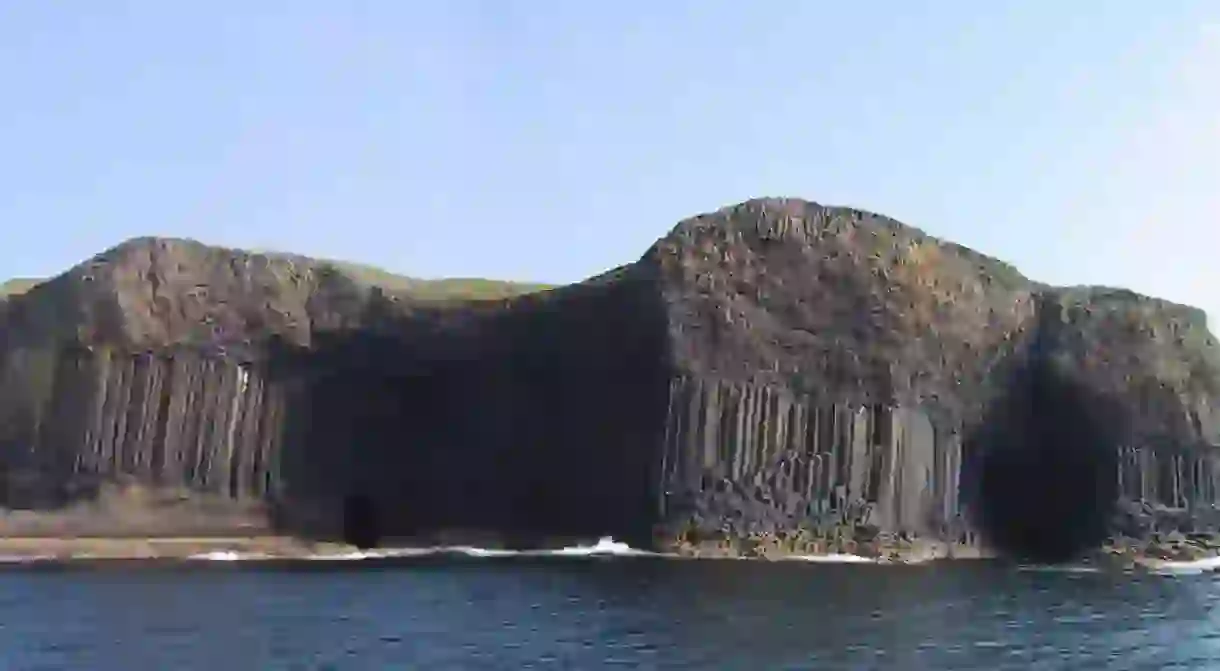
(549, 141)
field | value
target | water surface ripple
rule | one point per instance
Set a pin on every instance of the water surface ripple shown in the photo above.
(590, 614)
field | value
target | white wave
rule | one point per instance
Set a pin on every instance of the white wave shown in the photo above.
(1050, 568)
(343, 556)
(217, 555)
(484, 552)
(356, 555)
(385, 553)
(834, 558)
(1165, 567)
(25, 559)
(604, 546)
(400, 553)
(229, 555)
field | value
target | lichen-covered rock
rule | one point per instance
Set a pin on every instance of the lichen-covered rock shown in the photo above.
(1156, 357)
(839, 303)
(151, 292)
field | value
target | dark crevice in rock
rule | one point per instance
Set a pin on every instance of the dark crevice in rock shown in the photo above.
(361, 521)
(1047, 475)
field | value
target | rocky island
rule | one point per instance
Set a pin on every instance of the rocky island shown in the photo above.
(773, 378)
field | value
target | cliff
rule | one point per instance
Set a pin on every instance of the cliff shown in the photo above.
(776, 375)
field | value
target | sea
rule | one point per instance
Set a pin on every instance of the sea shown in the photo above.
(599, 607)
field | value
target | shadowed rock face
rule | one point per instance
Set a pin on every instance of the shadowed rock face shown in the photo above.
(538, 421)
(774, 372)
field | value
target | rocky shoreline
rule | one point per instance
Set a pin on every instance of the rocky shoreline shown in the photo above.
(866, 544)
(1161, 549)
(1121, 553)
(18, 549)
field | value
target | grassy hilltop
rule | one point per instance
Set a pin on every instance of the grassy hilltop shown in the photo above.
(444, 289)
(17, 286)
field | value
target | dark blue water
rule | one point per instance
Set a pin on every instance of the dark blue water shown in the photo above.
(644, 614)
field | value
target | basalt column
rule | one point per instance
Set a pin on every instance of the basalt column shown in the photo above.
(174, 419)
(742, 459)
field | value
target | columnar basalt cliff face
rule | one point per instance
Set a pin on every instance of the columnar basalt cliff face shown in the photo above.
(775, 371)
(752, 460)
(835, 364)
(853, 350)
(177, 422)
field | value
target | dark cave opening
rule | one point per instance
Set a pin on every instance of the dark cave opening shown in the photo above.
(525, 425)
(361, 524)
(1046, 466)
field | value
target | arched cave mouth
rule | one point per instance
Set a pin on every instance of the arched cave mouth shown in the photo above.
(1047, 468)
(361, 521)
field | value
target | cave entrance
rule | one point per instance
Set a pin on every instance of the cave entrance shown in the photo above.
(361, 523)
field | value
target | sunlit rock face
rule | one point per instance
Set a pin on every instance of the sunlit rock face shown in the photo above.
(776, 374)
(841, 369)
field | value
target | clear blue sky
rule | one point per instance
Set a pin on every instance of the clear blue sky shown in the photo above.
(547, 140)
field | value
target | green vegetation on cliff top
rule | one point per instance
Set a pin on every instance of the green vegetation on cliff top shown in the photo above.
(445, 289)
(452, 288)
(15, 287)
